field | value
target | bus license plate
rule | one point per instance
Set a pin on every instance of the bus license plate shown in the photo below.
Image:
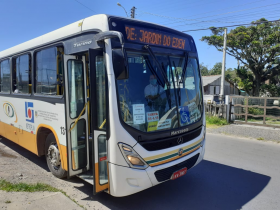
(179, 173)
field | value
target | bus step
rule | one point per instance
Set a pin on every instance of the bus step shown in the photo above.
(87, 176)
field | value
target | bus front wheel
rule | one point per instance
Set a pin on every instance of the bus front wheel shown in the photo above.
(53, 157)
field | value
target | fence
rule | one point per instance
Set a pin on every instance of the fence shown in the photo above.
(255, 110)
(216, 110)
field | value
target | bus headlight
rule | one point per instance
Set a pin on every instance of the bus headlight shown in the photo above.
(132, 158)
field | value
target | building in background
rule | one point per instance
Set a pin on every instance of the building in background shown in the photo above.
(212, 88)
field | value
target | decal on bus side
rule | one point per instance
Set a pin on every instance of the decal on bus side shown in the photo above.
(29, 112)
(10, 111)
(29, 115)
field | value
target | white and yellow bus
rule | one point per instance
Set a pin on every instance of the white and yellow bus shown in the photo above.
(115, 101)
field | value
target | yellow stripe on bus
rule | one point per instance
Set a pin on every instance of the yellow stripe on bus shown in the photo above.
(174, 158)
(171, 152)
(28, 140)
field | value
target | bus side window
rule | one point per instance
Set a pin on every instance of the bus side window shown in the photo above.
(5, 76)
(22, 74)
(49, 71)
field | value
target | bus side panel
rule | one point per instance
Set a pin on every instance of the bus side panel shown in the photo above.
(10, 132)
(28, 141)
(2, 131)
(21, 119)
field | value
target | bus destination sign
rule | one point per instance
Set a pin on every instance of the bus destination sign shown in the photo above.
(154, 37)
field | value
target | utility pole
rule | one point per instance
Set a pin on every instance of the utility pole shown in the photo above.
(132, 12)
(223, 68)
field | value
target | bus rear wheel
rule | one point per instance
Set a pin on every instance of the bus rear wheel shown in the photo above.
(53, 157)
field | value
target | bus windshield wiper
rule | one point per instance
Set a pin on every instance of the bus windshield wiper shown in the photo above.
(148, 48)
(153, 70)
(184, 69)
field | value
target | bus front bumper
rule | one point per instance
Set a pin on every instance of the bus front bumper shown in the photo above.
(125, 181)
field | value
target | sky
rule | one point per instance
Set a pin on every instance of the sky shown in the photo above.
(28, 19)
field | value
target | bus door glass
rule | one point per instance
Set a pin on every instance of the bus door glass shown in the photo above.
(76, 115)
(99, 98)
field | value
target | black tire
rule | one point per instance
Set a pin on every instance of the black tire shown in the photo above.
(57, 171)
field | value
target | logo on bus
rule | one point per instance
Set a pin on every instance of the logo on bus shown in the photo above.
(29, 112)
(82, 43)
(9, 110)
(180, 151)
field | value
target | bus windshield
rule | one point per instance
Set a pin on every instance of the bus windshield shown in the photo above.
(163, 92)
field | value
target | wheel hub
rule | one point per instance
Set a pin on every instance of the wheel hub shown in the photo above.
(54, 156)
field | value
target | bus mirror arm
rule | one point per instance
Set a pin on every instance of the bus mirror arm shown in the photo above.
(109, 35)
(119, 57)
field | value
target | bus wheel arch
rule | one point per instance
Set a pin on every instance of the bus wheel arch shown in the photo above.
(53, 157)
(46, 137)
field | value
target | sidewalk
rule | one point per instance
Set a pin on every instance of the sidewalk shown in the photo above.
(248, 131)
(36, 200)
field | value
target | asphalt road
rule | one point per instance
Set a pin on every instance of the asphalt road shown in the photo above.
(235, 174)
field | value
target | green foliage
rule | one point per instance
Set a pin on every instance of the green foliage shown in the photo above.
(203, 69)
(255, 111)
(256, 47)
(246, 82)
(214, 120)
(23, 187)
(272, 89)
(217, 69)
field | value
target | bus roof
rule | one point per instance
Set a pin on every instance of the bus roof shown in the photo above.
(96, 23)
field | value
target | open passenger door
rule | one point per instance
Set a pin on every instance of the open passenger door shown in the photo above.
(76, 115)
(100, 119)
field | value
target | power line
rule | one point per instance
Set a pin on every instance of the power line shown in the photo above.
(250, 14)
(207, 26)
(215, 11)
(235, 25)
(198, 19)
(240, 10)
(184, 6)
(85, 6)
(238, 17)
(174, 4)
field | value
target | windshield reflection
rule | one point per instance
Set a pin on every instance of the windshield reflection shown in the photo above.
(150, 102)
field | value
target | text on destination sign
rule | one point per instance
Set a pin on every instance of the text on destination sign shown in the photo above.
(141, 35)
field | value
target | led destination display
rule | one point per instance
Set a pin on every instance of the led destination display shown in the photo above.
(154, 37)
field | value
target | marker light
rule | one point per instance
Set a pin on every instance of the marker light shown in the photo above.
(204, 136)
(132, 158)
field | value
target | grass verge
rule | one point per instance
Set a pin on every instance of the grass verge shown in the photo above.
(24, 187)
(215, 122)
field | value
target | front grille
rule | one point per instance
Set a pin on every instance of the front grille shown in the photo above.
(170, 142)
(165, 174)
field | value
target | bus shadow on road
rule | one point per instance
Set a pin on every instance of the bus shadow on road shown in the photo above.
(39, 161)
(209, 185)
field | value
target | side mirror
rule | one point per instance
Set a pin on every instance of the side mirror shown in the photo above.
(120, 64)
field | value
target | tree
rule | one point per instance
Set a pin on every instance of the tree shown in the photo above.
(231, 75)
(256, 47)
(203, 69)
(217, 69)
(246, 82)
